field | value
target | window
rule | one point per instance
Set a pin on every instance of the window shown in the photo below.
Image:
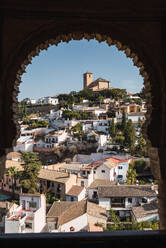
(129, 200)
(103, 171)
(120, 167)
(82, 183)
(59, 188)
(144, 200)
(120, 177)
(28, 225)
(95, 195)
(32, 204)
(94, 172)
(72, 198)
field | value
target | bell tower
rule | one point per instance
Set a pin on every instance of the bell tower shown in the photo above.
(87, 79)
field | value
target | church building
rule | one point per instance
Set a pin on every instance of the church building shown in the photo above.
(97, 85)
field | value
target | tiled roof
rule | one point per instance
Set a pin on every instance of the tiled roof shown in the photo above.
(67, 211)
(136, 114)
(101, 182)
(53, 175)
(108, 162)
(145, 210)
(29, 194)
(12, 155)
(11, 163)
(95, 210)
(4, 203)
(75, 190)
(126, 191)
(58, 208)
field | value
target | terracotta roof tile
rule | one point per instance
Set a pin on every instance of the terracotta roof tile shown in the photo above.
(145, 210)
(75, 190)
(101, 182)
(53, 175)
(126, 191)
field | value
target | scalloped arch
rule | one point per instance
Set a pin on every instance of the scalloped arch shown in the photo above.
(78, 36)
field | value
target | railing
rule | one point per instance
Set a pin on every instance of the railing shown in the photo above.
(88, 239)
(117, 205)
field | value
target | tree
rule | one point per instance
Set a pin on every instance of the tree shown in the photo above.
(142, 148)
(112, 129)
(130, 136)
(124, 121)
(142, 93)
(29, 176)
(115, 219)
(12, 172)
(140, 123)
(119, 140)
(139, 166)
(131, 176)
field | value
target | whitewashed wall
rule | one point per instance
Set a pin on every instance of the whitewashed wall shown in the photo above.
(105, 202)
(91, 192)
(101, 175)
(122, 171)
(78, 223)
(40, 216)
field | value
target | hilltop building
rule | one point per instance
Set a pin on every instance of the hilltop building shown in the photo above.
(29, 217)
(97, 85)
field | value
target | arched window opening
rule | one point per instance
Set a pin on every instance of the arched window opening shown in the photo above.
(82, 142)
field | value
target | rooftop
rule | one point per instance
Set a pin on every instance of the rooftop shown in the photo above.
(101, 182)
(145, 210)
(53, 175)
(126, 191)
(66, 211)
(11, 163)
(13, 155)
(95, 210)
(75, 190)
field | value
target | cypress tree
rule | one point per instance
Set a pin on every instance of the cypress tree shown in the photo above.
(124, 121)
(112, 129)
(130, 135)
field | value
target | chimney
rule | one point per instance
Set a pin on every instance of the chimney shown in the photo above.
(7, 206)
(152, 186)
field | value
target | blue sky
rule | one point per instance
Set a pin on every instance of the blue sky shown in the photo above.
(60, 69)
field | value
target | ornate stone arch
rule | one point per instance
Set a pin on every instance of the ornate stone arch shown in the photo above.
(48, 35)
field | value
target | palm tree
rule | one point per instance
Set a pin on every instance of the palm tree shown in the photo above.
(12, 172)
(131, 176)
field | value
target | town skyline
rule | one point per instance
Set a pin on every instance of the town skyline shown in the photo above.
(63, 67)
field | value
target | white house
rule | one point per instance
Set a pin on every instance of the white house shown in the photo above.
(147, 212)
(29, 217)
(48, 100)
(76, 193)
(136, 116)
(111, 169)
(74, 216)
(87, 159)
(67, 217)
(123, 197)
(24, 143)
(56, 137)
(92, 190)
(14, 156)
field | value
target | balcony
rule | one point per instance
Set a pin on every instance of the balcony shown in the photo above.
(117, 202)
